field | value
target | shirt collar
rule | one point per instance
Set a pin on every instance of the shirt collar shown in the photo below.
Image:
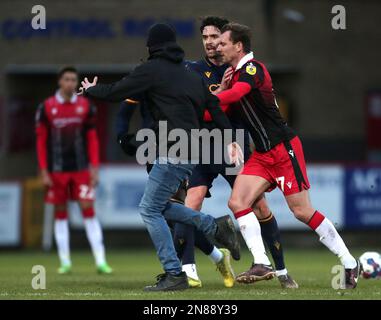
(211, 64)
(245, 59)
(61, 99)
(207, 61)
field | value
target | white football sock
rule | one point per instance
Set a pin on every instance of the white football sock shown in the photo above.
(282, 272)
(95, 237)
(216, 255)
(191, 271)
(61, 234)
(251, 232)
(332, 240)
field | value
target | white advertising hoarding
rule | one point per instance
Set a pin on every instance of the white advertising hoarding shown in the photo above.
(326, 195)
(10, 213)
(121, 188)
(117, 197)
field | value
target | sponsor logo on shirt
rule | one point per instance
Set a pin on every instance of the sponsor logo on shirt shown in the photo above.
(63, 122)
(251, 69)
(213, 87)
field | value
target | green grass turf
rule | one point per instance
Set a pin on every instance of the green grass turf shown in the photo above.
(134, 269)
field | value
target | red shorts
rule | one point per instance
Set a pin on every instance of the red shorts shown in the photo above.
(283, 166)
(73, 185)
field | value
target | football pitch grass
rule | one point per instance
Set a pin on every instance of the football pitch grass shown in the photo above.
(134, 269)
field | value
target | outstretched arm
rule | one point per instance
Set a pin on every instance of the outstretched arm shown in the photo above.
(239, 90)
(137, 82)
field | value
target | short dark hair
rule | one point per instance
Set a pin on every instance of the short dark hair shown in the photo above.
(66, 69)
(239, 33)
(215, 21)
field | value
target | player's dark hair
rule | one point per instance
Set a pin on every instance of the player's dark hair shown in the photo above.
(215, 21)
(66, 69)
(239, 33)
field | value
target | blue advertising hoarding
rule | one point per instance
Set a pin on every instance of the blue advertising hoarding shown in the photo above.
(91, 28)
(362, 201)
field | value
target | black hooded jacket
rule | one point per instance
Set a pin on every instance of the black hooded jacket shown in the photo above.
(173, 92)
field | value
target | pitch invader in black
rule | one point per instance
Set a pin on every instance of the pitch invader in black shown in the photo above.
(212, 70)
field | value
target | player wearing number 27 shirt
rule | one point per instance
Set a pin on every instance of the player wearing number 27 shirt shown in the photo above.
(278, 159)
(67, 152)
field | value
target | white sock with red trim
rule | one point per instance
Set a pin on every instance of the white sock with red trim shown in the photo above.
(61, 234)
(329, 236)
(251, 232)
(94, 234)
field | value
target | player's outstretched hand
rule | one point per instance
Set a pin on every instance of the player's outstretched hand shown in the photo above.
(235, 154)
(87, 84)
(46, 179)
